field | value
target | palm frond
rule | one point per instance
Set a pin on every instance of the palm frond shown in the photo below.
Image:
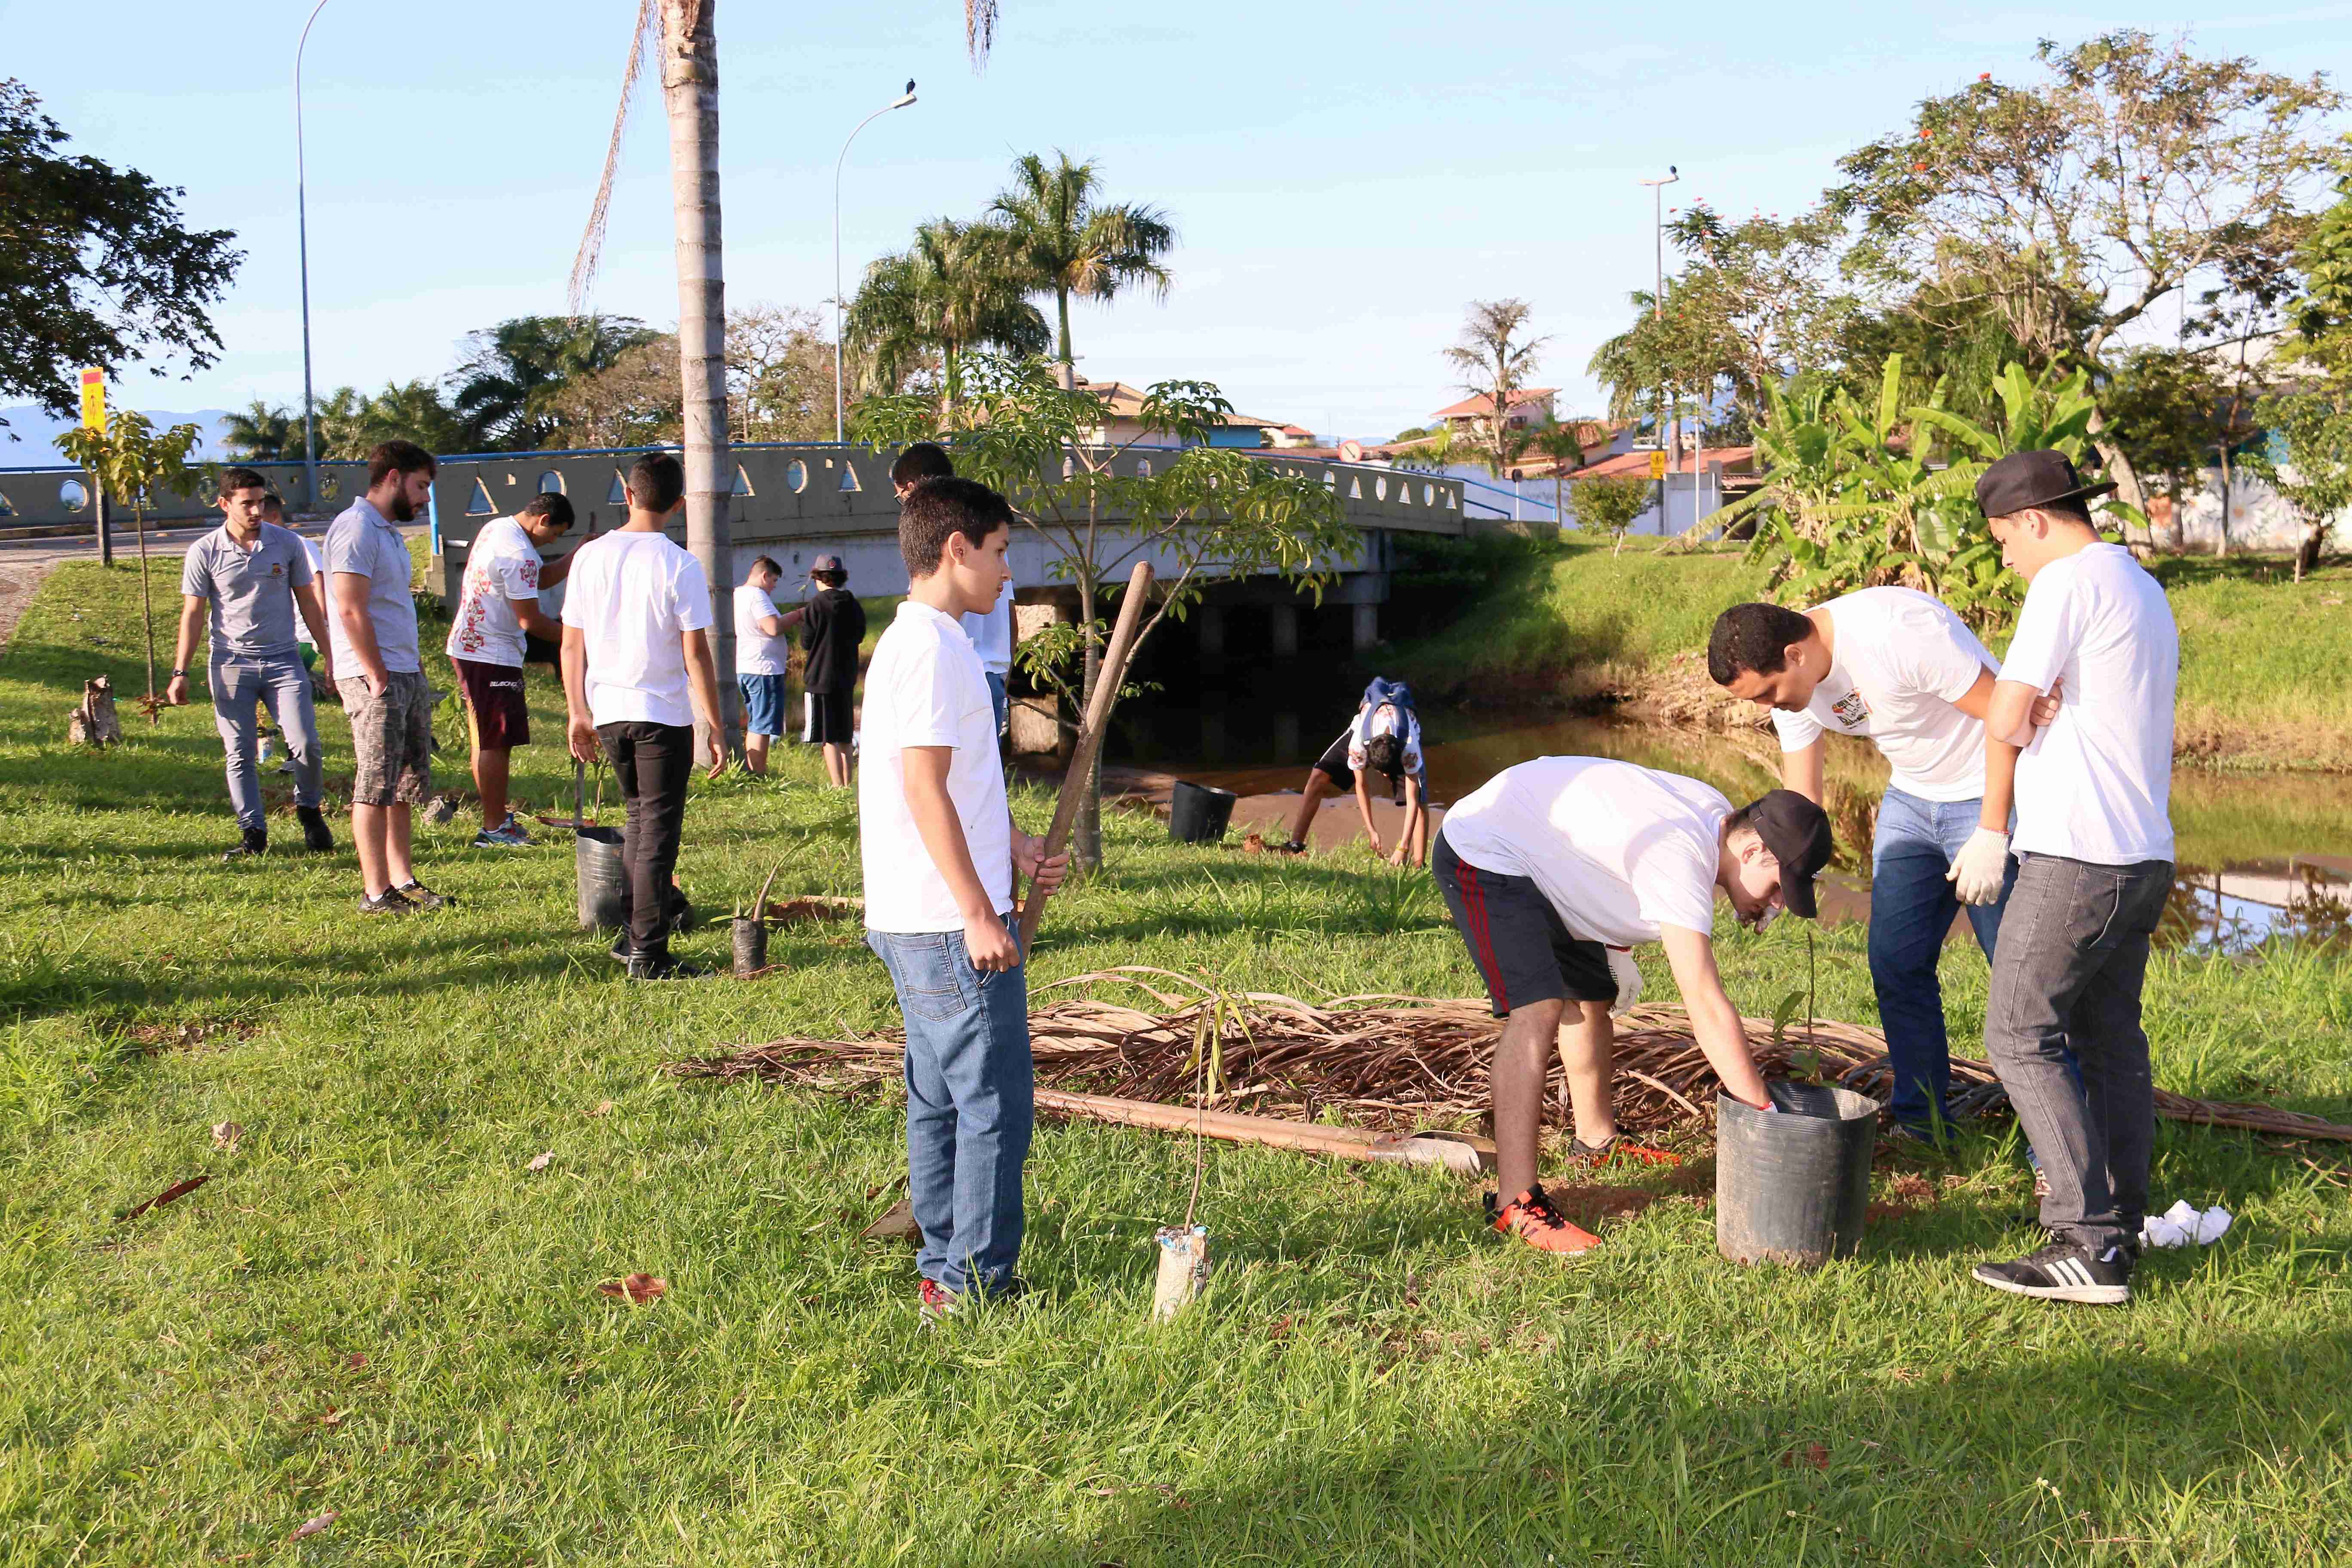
(978, 30)
(592, 243)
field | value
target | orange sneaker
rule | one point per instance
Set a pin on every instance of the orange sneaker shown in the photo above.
(1531, 1218)
(1613, 1149)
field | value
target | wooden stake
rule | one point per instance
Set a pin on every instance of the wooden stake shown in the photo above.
(1112, 677)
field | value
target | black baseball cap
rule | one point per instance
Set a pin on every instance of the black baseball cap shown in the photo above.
(2024, 480)
(1798, 833)
(826, 563)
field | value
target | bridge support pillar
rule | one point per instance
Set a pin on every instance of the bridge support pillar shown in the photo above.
(1367, 627)
(1209, 623)
(1285, 630)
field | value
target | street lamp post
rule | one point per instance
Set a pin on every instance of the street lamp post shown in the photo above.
(904, 98)
(302, 246)
(1658, 310)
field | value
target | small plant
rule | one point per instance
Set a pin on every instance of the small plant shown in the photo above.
(131, 458)
(758, 908)
(1609, 506)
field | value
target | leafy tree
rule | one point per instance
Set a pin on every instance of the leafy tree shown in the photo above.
(95, 266)
(2309, 411)
(1067, 242)
(2071, 206)
(779, 375)
(2167, 409)
(133, 459)
(1609, 506)
(959, 287)
(504, 390)
(1495, 358)
(1210, 513)
(634, 402)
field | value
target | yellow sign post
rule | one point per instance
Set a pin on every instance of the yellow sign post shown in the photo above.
(1657, 463)
(93, 399)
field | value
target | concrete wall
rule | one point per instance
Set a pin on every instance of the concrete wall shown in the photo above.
(49, 497)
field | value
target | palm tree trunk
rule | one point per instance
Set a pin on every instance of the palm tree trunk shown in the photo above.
(1067, 372)
(690, 96)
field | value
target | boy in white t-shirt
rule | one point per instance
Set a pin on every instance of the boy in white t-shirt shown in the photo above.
(2093, 843)
(939, 851)
(1552, 870)
(762, 658)
(638, 671)
(1897, 668)
(497, 606)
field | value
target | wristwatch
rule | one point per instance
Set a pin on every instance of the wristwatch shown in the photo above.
(177, 673)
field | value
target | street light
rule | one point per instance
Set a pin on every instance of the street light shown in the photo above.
(1658, 309)
(904, 98)
(302, 243)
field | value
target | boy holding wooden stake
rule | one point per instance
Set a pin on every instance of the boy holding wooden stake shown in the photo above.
(938, 851)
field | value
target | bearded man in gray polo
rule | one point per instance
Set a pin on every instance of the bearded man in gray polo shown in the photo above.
(252, 576)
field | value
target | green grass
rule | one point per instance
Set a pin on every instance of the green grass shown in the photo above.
(2262, 682)
(374, 1309)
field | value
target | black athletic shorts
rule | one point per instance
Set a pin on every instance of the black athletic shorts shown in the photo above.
(1523, 952)
(831, 718)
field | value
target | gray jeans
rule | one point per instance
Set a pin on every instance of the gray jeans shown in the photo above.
(238, 685)
(2073, 952)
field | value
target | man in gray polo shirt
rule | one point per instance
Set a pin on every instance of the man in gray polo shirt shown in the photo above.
(384, 694)
(252, 576)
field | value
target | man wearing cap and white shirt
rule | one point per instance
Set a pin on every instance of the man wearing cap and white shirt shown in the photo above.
(2094, 846)
(762, 658)
(1553, 870)
(1898, 669)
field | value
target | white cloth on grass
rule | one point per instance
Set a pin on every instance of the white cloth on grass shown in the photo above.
(756, 653)
(926, 688)
(633, 597)
(1900, 658)
(2184, 1223)
(991, 634)
(1621, 851)
(2096, 782)
(501, 566)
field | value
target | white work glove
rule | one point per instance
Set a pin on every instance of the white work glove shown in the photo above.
(1983, 866)
(1627, 976)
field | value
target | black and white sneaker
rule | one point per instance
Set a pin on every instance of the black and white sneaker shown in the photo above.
(2063, 1272)
(662, 966)
(255, 841)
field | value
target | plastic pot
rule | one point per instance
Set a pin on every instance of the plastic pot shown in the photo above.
(750, 946)
(603, 881)
(1198, 814)
(1792, 1186)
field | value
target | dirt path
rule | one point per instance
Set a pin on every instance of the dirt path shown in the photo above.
(18, 582)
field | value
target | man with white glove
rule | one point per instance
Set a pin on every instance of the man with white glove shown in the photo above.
(2093, 840)
(1898, 669)
(1555, 868)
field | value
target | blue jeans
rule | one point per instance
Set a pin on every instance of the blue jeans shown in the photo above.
(238, 684)
(1911, 911)
(1001, 701)
(970, 1105)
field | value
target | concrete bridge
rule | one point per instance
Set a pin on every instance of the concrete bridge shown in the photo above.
(795, 501)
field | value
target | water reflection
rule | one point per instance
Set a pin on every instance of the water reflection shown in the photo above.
(2262, 856)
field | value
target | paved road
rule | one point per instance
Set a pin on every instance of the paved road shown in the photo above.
(39, 554)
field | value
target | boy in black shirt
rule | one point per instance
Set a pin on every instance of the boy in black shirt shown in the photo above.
(831, 625)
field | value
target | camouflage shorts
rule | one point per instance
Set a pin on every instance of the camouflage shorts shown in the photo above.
(392, 733)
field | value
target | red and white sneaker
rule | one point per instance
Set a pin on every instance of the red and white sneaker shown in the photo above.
(939, 1303)
(1531, 1218)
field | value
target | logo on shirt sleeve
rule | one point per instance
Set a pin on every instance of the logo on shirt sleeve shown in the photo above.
(1851, 710)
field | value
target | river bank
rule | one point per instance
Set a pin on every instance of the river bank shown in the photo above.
(2265, 676)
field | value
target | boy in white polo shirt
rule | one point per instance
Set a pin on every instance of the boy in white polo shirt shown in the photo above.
(2093, 843)
(939, 850)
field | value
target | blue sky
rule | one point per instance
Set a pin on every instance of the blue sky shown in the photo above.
(1344, 177)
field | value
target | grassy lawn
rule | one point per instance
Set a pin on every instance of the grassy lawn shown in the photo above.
(375, 1309)
(2262, 661)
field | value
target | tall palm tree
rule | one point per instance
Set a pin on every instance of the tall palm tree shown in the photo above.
(959, 287)
(1564, 445)
(262, 434)
(1496, 361)
(1067, 242)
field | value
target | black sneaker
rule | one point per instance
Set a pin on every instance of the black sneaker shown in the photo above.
(317, 836)
(661, 966)
(256, 842)
(2063, 1272)
(422, 896)
(620, 949)
(388, 902)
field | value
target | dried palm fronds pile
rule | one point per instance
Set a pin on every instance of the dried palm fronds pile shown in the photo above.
(1389, 1062)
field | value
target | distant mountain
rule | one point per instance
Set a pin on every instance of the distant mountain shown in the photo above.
(34, 426)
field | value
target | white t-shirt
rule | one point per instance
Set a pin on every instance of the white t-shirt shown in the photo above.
(1621, 851)
(2096, 782)
(925, 688)
(991, 634)
(1388, 719)
(319, 575)
(633, 597)
(756, 653)
(502, 566)
(1901, 659)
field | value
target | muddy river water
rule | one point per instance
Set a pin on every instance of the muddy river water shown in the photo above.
(2260, 856)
